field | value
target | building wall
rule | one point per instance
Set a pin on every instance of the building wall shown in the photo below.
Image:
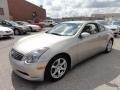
(107, 15)
(81, 18)
(23, 10)
(4, 12)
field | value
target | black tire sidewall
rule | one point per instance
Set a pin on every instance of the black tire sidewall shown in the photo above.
(107, 51)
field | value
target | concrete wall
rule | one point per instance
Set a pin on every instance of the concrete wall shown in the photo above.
(4, 5)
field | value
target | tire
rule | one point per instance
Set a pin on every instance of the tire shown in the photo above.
(56, 68)
(109, 46)
(51, 25)
(16, 32)
(115, 35)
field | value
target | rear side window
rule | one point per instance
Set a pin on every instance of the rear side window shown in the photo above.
(101, 28)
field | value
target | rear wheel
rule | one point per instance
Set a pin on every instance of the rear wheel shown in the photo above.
(109, 46)
(56, 68)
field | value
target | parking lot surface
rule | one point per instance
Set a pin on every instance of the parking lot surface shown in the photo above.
(101, 72)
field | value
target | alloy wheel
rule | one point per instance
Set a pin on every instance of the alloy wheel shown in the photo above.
(58, 68)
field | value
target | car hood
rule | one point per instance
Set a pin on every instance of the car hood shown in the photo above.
(38, 41)
(5, 29)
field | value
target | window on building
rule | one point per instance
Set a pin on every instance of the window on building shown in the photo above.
(1, 11)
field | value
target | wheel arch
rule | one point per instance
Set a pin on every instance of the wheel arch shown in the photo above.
(59, 54)
(64, 55)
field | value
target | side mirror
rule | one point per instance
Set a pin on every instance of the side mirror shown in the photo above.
(85, 34)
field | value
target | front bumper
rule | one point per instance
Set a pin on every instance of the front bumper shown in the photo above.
(36, 29)
(6, 34)
(32, 72)
(116, 31)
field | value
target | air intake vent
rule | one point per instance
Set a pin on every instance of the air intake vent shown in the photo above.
(16, 55)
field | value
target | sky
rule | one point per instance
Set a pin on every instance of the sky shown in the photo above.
(71, 8)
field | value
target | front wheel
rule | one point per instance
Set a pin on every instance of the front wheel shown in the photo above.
(16, 32)
(109, 46)
(56, 69)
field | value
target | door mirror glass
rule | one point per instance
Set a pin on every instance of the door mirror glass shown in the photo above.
(85, 34)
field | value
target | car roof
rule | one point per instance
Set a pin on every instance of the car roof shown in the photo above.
(79, 22)
(20, 21)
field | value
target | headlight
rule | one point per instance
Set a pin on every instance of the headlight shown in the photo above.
(34, 56)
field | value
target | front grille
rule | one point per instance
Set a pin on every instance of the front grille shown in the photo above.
(16, 55)
(23, 73)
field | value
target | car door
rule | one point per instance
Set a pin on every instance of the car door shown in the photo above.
(90, 45)
(103, 35)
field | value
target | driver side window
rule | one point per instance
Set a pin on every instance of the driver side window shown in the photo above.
(8, 24)
(91, 29)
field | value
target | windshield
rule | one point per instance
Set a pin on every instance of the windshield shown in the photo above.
(116, 23)
(13, 23)
(65, 29)
(23, 23)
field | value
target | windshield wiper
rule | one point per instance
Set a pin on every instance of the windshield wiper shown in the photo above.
(56, 34)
